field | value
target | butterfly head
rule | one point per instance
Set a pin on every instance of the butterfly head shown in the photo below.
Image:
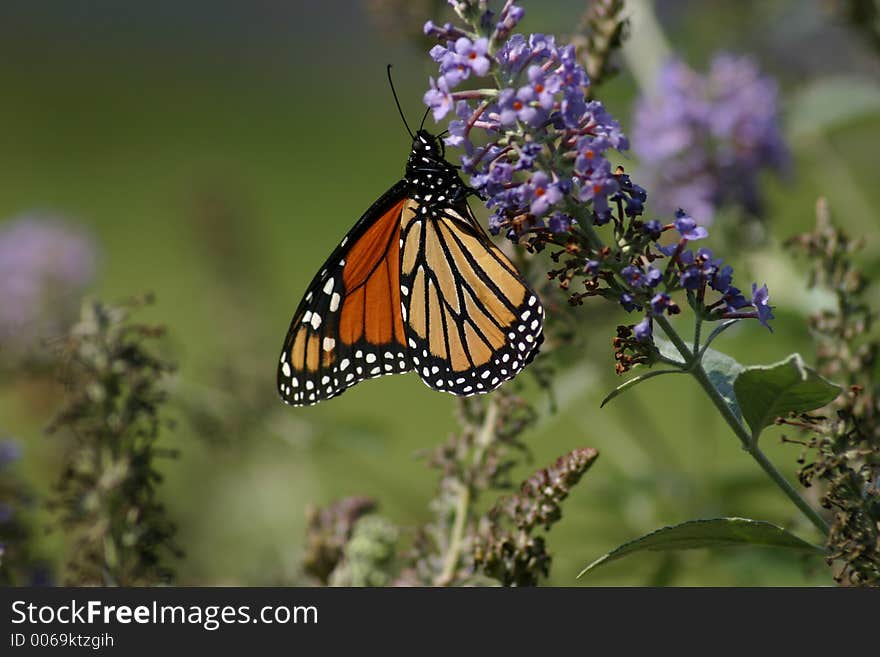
(427, 145)
(430, 176)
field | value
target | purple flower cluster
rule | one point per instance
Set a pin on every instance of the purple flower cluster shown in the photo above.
(548, 145)
(703, 140)
(696, 272)
(44, 267)
(544, 164)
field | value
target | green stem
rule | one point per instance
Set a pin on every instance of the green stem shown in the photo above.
(695, 367)
(456, 536)
(714, 334)
(466, 497)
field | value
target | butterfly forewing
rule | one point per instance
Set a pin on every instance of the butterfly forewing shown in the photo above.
(348, 327)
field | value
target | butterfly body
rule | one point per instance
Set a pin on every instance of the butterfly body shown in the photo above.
(415, 285)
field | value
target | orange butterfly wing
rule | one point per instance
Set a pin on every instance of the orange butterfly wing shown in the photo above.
(348, 327)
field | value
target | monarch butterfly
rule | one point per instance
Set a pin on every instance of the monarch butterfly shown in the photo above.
(416, 284)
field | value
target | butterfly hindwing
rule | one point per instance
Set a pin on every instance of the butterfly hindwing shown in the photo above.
(348, 326)
(471, 321)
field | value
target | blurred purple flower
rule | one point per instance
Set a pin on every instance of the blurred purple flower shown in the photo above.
(703, 140)
(44, 267)
(10, 452)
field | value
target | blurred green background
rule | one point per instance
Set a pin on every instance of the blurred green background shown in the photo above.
(218, 151)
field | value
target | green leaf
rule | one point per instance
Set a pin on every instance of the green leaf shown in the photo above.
(626, 385)
(714, 532)
(668, 350)
(721, 369)
(766, 392)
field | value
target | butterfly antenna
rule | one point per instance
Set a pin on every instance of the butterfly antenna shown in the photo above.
(397, 102)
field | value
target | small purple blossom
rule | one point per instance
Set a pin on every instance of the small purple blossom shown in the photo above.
(473, 54)
(458, 128)
(510, 16)
(559, 222)
(446, 32)
(519, 105)
(643, 330)
(653, 277)
(722, 279)
(439, 98)
(461, 58)
(628, 301)
(660, 302)
(761, 302)
(597, 188)
(542, 193)
(733, 299)
(652, 229)
(691, 278)
(527, 154)
(544, 87)
(632, 195)
(641, 279)
(688, 228)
